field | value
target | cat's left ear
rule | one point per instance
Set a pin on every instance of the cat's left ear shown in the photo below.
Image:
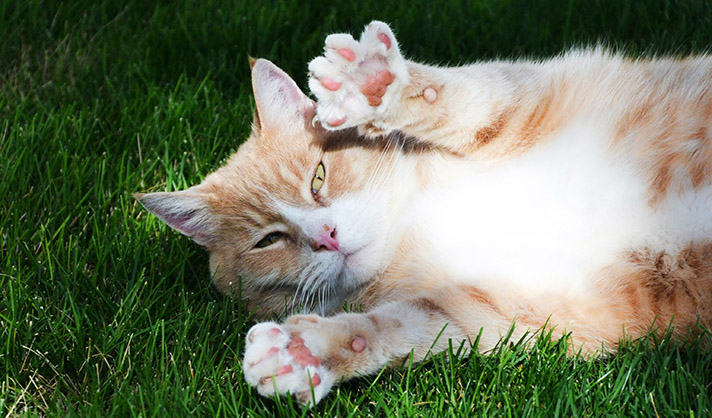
(280, 104)
(186, 211)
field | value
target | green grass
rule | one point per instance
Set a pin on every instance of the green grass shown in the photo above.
(106, 312)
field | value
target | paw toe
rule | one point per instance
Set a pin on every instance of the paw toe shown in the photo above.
(348, 54)
(385, 39)
(379, 35)
(267, 332)
(341, 48)
(340, 40)
(330, 83)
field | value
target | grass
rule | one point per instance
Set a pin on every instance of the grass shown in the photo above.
(106, 312)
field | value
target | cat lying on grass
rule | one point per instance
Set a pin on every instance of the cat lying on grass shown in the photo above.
(573, 194)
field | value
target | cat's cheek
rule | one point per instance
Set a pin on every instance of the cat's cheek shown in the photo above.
(228, 267)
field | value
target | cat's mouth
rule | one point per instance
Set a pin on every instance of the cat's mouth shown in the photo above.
(351, 256)
(353, 268)
(352, 253)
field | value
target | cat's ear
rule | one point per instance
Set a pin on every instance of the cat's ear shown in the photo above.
(279, 102)
(187, 211)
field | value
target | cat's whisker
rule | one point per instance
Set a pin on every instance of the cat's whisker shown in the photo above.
(301, 292)
(392, 164)
(325, 292)
(269, 279)
(380, 179)
(373, 177)
(309, 280)
(309, 284)
(376, 168)
(386, 178)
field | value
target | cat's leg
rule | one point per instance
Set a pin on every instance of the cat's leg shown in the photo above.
(308, 354)
(370, 85)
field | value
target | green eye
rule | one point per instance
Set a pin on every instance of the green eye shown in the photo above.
(319, 178)
(269, 239)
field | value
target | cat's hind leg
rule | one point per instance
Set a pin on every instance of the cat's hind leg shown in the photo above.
(359, 82)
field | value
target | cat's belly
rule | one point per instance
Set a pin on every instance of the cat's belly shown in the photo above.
(553, 219)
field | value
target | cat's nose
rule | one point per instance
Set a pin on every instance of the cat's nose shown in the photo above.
(327, 240)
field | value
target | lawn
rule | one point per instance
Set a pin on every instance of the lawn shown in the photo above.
(106, 312)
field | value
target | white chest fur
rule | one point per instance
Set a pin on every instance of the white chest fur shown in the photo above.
(553, 217)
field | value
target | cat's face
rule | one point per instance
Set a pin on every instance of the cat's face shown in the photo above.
(299, 224)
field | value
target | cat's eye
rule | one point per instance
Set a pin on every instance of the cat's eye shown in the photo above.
(269, 239)
(319, 178)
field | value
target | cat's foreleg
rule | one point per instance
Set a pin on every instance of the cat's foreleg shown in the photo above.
(370, 85)
(308, 354)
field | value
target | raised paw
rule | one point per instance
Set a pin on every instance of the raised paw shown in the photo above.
(278, 361)
(358, 82)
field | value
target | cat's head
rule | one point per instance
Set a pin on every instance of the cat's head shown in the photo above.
(298, 224)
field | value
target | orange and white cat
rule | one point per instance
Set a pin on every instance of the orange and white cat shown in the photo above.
(573, 194)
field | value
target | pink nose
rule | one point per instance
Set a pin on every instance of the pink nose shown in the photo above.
(327, 240)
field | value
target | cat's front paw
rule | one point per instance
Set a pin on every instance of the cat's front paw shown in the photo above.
(280, 361)
(357, 83)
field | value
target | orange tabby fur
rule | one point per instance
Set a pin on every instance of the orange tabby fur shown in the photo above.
(651, 118)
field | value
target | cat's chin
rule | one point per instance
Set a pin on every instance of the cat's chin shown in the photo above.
(352, 275)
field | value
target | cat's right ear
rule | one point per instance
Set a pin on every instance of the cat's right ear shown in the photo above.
(279, 102)
(187, 211)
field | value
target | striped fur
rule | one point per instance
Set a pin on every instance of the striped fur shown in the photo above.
(573, 194)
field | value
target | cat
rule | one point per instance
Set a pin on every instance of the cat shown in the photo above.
(572, 195)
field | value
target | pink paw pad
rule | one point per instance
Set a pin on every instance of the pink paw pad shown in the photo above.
(373, 87)
(386, 77)
(284, 370)
(430, 95)
(358, 344)
(348, 54)
(385, 39)
(330, 84)
(336, 121)
(301, 353)
(376, 86)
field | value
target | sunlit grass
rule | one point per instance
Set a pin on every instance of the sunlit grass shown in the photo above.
(106, 312)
